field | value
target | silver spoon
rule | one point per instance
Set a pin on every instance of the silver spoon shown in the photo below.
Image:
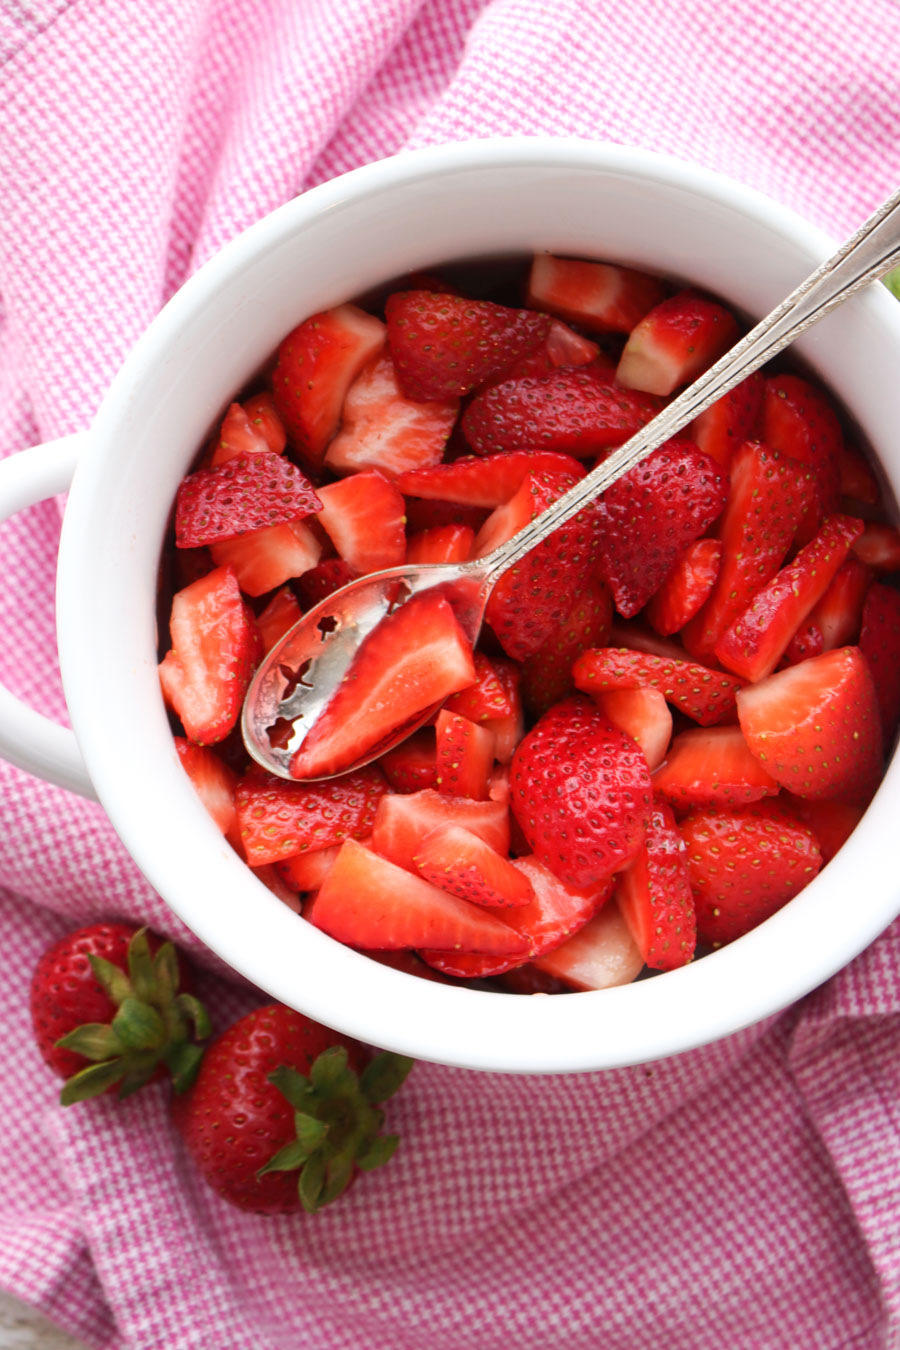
(296, 680)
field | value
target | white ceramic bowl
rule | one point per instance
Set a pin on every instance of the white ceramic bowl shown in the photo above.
(410, 212)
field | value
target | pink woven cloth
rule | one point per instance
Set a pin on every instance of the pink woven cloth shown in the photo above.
(746, 1195)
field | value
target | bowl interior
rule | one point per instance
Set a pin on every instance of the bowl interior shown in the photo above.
(332, 244)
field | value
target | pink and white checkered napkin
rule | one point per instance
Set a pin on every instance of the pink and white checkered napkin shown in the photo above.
(746, 1195)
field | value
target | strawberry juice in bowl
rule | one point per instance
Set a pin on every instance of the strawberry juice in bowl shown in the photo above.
(483, 200)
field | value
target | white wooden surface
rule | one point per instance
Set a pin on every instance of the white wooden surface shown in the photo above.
(21, 1328)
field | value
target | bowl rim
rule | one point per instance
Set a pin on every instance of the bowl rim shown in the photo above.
(399, 1011)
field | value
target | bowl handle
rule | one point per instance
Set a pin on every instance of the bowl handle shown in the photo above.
(27, 738)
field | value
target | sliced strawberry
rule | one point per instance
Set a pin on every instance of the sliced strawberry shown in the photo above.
(651, 515)
(205, 675)
(214, 783)
(575, 411)
(443, 544)
(798, 420)
(643, 714)
(832, 823)
(580, 789)
(730, 421)
(459, 862)
(248, 429)
(600, 955)
(367, 901)
(767, 498)
(816, 727)
(654, 895)
(744, 865)
(509, 728)
(317, 363)
(465, 755)
(758, 638)
(602, 297)
(634, 637)
(857, 477)
(269, 876)
(880, 644)
(675, 342)
(416, 657)
(547, 676)
(365, 518)
(382, 429)
(835, 621)
(445, 345)
(323, 580)
(489, 697)
(279, 819)
(411, 765)
(490, 481)
(563, 347)
(879, 547)
(306, 871)
(278, 617)
(686, 588)
(264, 559)
(712, 766)
(705, 695)
(401, 823)
(249, 492)
(425, 514)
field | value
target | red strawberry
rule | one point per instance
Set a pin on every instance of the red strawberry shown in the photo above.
(547, 676)
(415, 658)
(857, 478)
(712, 766)
(443, 544)
(600, 955)
(488, 481)
(705, 695)
(277, 1093)
(729, 421)
(758, 638)
(676, 342)
(488, 698)
(576, 411)
(278, 819)
(249, 429)
(279, 885)
(307, 871)
(880, 644)
(246, 493)
(381, 429)
(365, 518)
(603, 297)
(798, 420)
(444, 345)
(879, 547)
(425, 514)
(465, 756)
(744, 865)
(214, 782)
(267, 558)
(317, 363)
(401, 823)
(278, 617)
(642, 714)
(457, 861)
(634, 637)
(815, 727)
(369, 902)
(205, 674)
(321, 581)
(565, 347)
(836, 619)
(107, 1011)
(411, 765)
(651, 515)
(580, 790)
(832, 823)
(654, 895)
(686, 588)
(507, 728)
(766, 501)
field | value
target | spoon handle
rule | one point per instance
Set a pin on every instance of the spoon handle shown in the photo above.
(873, 250)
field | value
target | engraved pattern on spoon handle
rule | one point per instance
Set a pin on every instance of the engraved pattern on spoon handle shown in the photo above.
(865, 256)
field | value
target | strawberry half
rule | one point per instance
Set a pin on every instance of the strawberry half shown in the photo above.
(445, 345)
(547, 676)
(730, 421)
(249, 429)
(705, 695)
(401, 823)
(686, 589)
(458, 861)
(643, 714)
(654, 895)
(798, 420)
(382, 429)
(676, 342)
(465, 755)
(414, 658)
(248, 492)
(880, 644)
(204, 676)
(488, 481)
(816, 728)
(213, 781)
(836, 619)
(267, 558)
(278, 819)
(602, 297)
(365, 518)
(712, 766)
(651, 515)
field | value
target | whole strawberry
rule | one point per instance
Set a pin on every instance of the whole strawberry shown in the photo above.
(112, 1008)
(283, 1112)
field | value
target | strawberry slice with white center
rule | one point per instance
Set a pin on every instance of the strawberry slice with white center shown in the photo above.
(686, 589)
(835, 621)
(204, 676)
(415, 658)
(730, 421)
(709, 766)
(675, 343)
(214, 783)
(278, 819)
(402, 822)
(485, 481)
(758, 638)
(879, 547)
(602, 297)
(264, 559)
(365, 518)
(278, 617)
(465, 756)
(443, 544)
(880, 643)
(643, 714)
(458, 861)
(798, 420)
(367, 901)
(816, 727)
(705, 695)
(547, 676)
(248, 492)
(654, 895)
(601, 955)
(744, 865)
(248, 429)
(412, 765)
(382, 429)
(317, 363)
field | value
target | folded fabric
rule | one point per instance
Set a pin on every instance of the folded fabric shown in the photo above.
(743, 1195)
